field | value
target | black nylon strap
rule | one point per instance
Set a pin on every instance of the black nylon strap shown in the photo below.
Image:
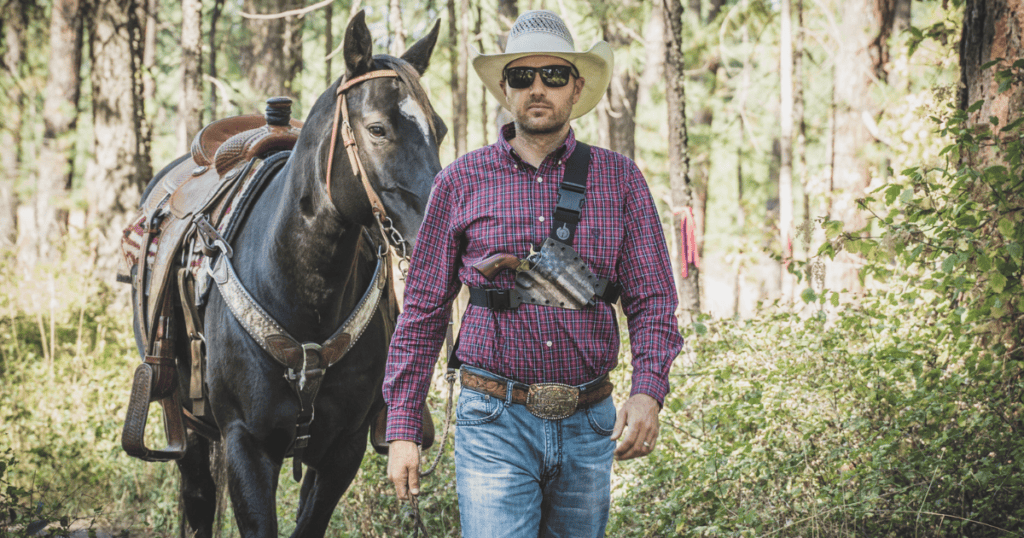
(571, 195)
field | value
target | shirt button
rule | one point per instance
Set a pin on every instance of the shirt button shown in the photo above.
(540, 219)
(548, 343)
(540, 179)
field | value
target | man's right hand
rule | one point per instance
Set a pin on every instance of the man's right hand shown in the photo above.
(404, 468)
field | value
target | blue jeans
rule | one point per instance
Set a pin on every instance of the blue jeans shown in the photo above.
(519, 476)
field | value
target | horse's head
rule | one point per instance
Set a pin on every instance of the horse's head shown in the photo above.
(395, 129)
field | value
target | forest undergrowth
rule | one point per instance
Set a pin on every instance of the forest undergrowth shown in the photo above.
(898, 413)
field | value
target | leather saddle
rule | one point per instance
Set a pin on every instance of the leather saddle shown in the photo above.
(194, 194)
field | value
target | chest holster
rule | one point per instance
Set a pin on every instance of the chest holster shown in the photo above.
(579, 285)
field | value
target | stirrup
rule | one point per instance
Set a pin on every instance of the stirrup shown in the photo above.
(133, 435)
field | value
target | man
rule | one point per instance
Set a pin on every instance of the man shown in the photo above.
(536, 428)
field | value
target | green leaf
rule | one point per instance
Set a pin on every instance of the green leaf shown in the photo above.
(984, 263)
(1019, 64)
(833, 228)
(834, 299)
(975, 106)
(1006, 228)
(1015, 250)
(949, 263)
(907, 195)
(997, 282)
(700, 328)
(988, 64)
(891, 192)
(808, 296)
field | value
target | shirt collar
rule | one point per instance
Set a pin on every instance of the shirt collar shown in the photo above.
(508, 132)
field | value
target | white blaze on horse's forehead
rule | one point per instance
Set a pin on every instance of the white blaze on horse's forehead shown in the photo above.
(411, 109)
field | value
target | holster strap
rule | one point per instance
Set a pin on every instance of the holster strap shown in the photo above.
(499, 299)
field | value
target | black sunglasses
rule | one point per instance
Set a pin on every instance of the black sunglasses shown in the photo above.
(553, 76)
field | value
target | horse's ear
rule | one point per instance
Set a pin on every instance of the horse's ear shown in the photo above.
(358, 46)
(418, 55)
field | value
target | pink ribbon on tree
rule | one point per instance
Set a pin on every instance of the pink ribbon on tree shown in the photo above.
(688, 241)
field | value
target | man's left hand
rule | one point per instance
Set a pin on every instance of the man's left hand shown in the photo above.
(638, 417)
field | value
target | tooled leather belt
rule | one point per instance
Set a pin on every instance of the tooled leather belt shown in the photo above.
(544, 400)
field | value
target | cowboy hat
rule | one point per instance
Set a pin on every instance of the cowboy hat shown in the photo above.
(542, 33)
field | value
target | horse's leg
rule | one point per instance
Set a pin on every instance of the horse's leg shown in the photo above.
(322, 490)
(252, 482)
(198, 490)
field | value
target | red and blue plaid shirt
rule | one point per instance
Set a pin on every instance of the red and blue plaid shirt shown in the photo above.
(488, 202)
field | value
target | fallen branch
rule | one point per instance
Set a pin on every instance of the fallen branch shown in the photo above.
(296, 12)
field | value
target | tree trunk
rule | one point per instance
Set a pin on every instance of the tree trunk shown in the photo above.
(618, 111)
(272, 57)
(215, 13)
(679, 158)
(190, 108)
(508, 12)
(478, 32)
(800, 146)
(328, 43)
(787, 283)
(991, 30)
(860, 60)
(397, 33)
(149, 52)
(60, 118)
(11, 124)
(654, 53)
(901, 16)
(120, 168)
(459, 33)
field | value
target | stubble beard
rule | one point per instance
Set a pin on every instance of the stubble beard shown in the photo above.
(543, 125)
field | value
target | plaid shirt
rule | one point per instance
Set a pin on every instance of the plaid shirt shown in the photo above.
(489, 201)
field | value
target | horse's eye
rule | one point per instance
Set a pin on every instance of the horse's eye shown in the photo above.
(376, 130)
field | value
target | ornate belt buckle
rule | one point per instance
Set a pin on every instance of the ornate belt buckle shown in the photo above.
(552, 401)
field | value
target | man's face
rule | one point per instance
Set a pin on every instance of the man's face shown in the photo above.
(541, 109)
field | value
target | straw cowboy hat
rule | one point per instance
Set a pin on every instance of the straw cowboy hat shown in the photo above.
(542, 33)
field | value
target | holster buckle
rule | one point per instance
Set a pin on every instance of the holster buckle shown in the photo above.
(552, 401)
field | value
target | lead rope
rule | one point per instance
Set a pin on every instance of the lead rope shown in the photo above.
(395, 239)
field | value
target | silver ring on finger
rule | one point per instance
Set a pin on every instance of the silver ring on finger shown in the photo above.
(647, 445)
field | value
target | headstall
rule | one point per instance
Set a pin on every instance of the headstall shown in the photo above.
(349, 139)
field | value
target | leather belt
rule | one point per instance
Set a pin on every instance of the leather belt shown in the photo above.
(544, 400)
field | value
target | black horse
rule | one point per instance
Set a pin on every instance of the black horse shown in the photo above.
(305, 257)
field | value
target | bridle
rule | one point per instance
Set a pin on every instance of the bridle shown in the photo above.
(393, 236)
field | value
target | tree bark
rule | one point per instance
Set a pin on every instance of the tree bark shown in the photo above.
(992, 29)
(787, 282)
(328, 43)
(860, 61)
(120, 168)
(478, 32)
(800, 146)
(215, 13)
(149, 53)
(508, 12)
(458, 32)
(679, 158)
(60, 118)
(14, 25)
(618, 111)
(901, 16)
(190, 108)
(397, 33)
(272, 57)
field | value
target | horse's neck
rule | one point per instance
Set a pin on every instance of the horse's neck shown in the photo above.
(306, 261)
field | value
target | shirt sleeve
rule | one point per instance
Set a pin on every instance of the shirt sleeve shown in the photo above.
(431, 286)
(649, 297)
